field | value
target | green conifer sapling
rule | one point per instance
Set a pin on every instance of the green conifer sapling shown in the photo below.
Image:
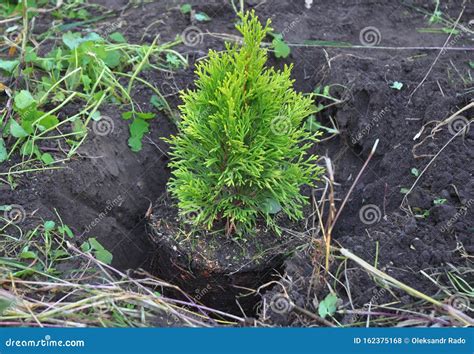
(241, 151)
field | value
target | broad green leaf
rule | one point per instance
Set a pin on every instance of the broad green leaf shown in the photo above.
(138, 128)
(29, 148)
(73, 80)
(9, 65)
(5, 304)
(47, 158)
(326, 91)
(173, 60)
(202, 17)
(277, 36)
(312, 125)
(3, 150)
(28, 255)
(79, 128)
(396, 85)
(404, 190)
(48, 122)
(145, 116)
(99, 251)
(112, 60)
(24, 99)
(30, 55)
(96, 116)
(185, 9)
(64, 229)
(328, 306)
(17, 130)
(49, 225)
(127, 115)
(72, 40)
(96, 245)
(282, 50)
(104, 256)
(92, 37)
(157, 102)
(118, 37)
(86, 247)
(57, 254)
(86, 81)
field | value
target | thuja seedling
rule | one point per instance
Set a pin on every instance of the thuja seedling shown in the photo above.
(242, 151)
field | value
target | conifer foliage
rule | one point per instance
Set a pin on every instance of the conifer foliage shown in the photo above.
(241, 151)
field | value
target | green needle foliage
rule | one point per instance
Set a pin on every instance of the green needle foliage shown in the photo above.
(241, 151)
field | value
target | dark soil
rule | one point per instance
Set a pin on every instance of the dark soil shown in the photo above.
(420, 235)
(221, 270)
